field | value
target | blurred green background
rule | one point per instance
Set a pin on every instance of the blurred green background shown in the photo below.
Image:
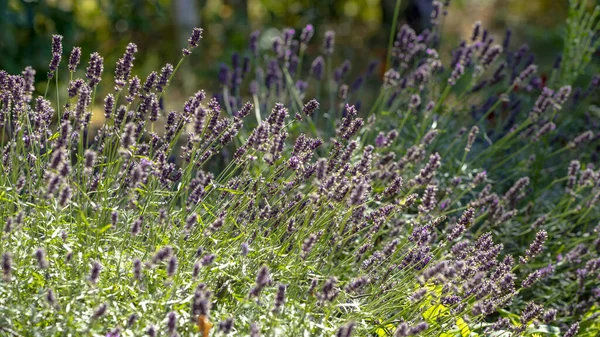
(161, 27)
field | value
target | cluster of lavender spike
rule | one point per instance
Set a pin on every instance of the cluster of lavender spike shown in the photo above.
(368, 224)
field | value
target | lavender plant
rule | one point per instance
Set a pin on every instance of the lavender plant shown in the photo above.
(328, 216)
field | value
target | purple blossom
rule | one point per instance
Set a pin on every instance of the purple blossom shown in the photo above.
(536, 246)
(193, 41)
(306, 35)
(95, 69)
(329, 42)
(262, 279)
(253, 43)
(316, 68)
(57, 50)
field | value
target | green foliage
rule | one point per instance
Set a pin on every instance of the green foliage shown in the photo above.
(418, 213)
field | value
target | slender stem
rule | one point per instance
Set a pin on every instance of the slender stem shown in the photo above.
(299, 67)
(514, 154)
(171, 77)
(256, 108)
(226, 99)
(57, 95)
(47, 85)
(330, 87)
(392, 34)
(376, 104)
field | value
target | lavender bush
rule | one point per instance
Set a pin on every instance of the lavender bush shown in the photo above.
(284, 205)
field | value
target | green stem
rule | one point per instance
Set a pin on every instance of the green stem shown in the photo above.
(47, 86)
(256, 108)
(226, 99)
(392, 33)
(514, 154)
(57, 96)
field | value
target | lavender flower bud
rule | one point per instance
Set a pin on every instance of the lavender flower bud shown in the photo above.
(357, 196)
(6, 265)
(226, 325)
(277, 47)
(308, 245)
(95, 69)
(136, 227)
(100, 311)
(127, 139)
(531, 279)
(40, 256)
(68, 257)
(316, 68)
(391, 78)
(245, 110)
(329, 42)
(57, 49)
(536, 246)
(544, 130)
(165, 74)
(196, 270)
(328, 291)
(549, 316)
(262, 279)
(345, 331)
(90, 159)
(254, 330)
(218, 223)
(65, 196)
(51, 298)
(393, 188)
(525, 74)
(137, 269)
(562, 95)
(207, 259)
(356, 284)
(476, 29)
(491, 56)
(151, 331)
(244, 249)
(506, 41)
(134, 89)
(539, 222)
(415, 102)
(109, 105)
(435, 12)
(131, 320)
(253, 43)
(542, 103)
(530, 312)
(172, 266)
(95, 272)
(154, 108)
(124, 66)
(572, 330)
(417, 329)
(581, 139)
(457, 72)
(471, 138)
(171, 322)
(280, 297)
(513, 193)
(306, 35)
(150, 82)
(195, 38)
(463, 223)
(74, 59)
(310, 107)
